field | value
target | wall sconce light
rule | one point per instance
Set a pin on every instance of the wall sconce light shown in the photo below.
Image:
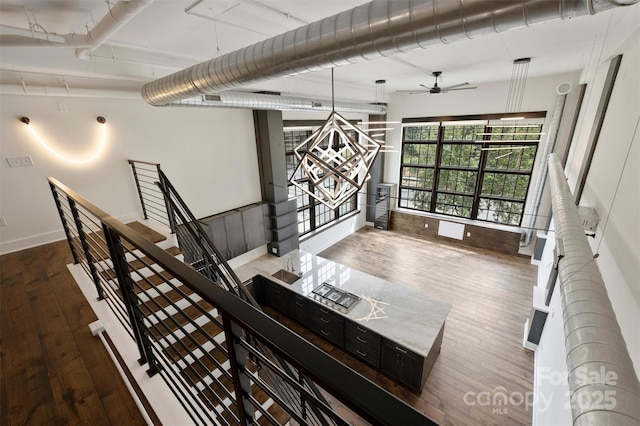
(49, 147)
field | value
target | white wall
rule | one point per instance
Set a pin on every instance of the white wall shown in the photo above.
(550, 386)
(209, 155)
(612, 187)
(540, 95)
(326, 238)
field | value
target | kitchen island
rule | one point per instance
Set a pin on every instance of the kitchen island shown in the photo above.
(389, 326)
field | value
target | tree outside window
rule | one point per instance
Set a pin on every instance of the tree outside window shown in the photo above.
(473, 169)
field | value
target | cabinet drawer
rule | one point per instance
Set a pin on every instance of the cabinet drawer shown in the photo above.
(366, 353)
(333, 334)
(362, 335)
(325, 316)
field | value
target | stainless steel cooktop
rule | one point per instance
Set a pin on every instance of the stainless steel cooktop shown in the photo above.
(334, 297)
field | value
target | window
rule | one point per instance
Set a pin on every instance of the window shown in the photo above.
(312, 214)
(473, 167)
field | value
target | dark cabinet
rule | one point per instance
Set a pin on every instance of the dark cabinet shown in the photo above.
(235, 234)
(218, 234)
(395, 360)
(300, 311)
(277, 297)
(253, 223)
(402, 364)
(237, 231)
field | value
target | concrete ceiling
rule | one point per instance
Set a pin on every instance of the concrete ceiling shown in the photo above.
(163, 38)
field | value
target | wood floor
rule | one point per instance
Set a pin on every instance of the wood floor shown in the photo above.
(54, 372)
(482, 355)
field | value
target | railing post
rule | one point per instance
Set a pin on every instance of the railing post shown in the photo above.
(163, 189)
(130, 299)
(65, 225)
(238, 361)
(85, 246)
(303, 402)
(135, 176)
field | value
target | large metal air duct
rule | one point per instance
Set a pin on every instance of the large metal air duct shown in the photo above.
(379, 28)
(121, 13)
(604, 386)
(263, 101)
(549, 146)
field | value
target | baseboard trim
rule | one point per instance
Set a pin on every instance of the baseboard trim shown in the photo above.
(31, 241)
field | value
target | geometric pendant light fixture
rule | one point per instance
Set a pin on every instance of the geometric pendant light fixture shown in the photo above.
(333, 160)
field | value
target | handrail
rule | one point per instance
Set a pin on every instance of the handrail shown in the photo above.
(177, 206)
(178, 209)
(153, 205)
(604, 386)
(368, 400)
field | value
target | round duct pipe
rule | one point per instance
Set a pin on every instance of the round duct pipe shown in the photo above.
(562, 90)
(598, 361)
(263, 101)
(379, 28)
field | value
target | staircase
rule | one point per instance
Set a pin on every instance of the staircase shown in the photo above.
(189, 333)
(197, 327)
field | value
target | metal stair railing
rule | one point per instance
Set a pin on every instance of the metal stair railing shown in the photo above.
(152, 202)
(206, 258)
(201, 338)
(203, 253)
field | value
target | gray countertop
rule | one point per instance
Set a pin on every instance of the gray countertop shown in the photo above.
(408, 317)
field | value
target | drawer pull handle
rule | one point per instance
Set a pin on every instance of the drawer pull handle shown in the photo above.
(399, 349)
(360, 353)
(300, 304)
(323, 310)
(361, 340)
(324, 332)
(362, 330)
(324, 320)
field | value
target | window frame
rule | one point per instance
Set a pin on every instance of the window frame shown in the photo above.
(482, 170)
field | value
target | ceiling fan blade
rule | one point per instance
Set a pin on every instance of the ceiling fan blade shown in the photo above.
(428, 88)
(455, 86)
(412, 92)
(458, 88)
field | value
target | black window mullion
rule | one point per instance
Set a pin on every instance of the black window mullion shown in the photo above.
(481, 170)
(312, 208)
(436, 169)
(458, 197)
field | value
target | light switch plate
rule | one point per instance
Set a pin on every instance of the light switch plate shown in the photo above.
(22, 161)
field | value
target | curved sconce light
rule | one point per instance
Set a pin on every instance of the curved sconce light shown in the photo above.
(56, 153)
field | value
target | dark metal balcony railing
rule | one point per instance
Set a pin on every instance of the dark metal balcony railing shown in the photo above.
(206, 259)
(152, 201)
(211, 347)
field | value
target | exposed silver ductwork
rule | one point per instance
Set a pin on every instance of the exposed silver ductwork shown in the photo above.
(118, 16)
(549, 146)
(230, 99)
(604, 386)
(379, 28)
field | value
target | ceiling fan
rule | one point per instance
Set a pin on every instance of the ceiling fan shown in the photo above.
(438, 89)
